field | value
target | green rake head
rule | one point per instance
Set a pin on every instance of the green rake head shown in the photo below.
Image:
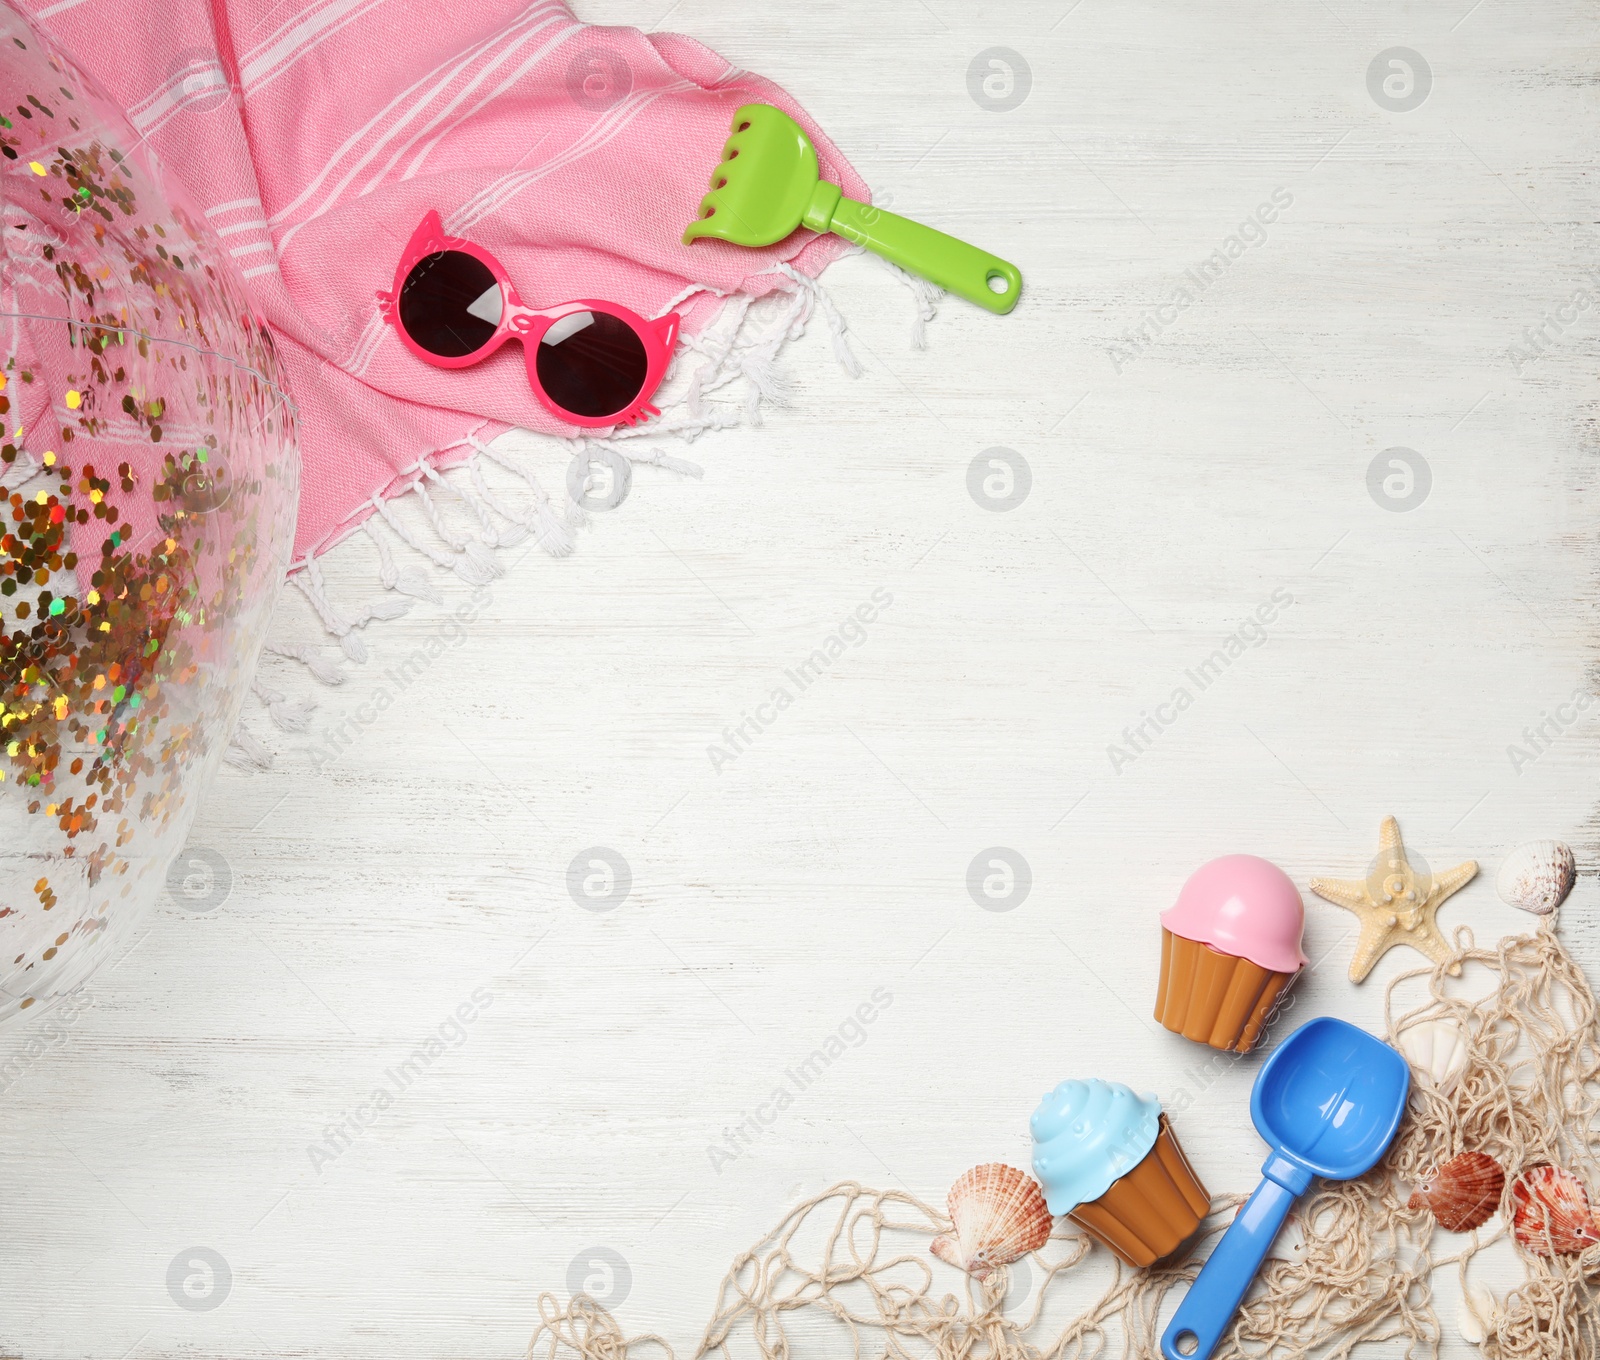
(768, 183)
(763, 183)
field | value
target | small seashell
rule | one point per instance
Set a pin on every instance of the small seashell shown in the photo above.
(1437, 1047)
(1463, 1193)
(1480, 1311)
(1537, 876)
(997, 1214)
(1552, 1216)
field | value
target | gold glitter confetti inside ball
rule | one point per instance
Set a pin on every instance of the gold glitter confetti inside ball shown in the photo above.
(146, 519)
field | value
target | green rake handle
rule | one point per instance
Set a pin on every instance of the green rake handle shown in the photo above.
(954, 265)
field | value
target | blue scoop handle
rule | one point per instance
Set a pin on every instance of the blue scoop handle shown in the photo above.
(1214, 1297)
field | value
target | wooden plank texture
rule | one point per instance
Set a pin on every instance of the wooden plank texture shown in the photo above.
(1198, 473)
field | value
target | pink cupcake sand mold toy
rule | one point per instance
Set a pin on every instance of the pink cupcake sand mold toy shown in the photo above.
(1230, 945)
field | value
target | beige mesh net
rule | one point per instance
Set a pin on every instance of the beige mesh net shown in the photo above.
(848, 1271)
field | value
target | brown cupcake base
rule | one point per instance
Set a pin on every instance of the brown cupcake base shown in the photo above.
(1153, 1210)
(1215, 998)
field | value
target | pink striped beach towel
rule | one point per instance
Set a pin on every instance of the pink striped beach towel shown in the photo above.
(314, 135)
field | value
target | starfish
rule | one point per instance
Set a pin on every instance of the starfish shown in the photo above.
(1395, 904)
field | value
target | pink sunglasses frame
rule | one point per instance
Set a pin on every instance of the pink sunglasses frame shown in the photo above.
(528, 324)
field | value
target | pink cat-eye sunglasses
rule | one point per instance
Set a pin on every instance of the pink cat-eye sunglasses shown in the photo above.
(590, 362)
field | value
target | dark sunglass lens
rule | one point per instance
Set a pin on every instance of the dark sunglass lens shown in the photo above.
(450, 304)
(592, 364)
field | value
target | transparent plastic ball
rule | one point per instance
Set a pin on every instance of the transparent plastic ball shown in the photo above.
(148, 479)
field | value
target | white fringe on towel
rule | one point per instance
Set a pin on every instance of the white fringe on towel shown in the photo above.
(738, 358)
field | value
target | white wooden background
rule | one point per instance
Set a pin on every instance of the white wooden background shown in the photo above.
(374, 892)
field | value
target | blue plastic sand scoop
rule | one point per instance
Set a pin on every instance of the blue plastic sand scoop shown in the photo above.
(1329, 1102)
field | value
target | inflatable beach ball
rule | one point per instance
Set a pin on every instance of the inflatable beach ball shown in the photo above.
(148, 477)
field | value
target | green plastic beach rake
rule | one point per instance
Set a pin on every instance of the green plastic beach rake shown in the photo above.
(768, 183)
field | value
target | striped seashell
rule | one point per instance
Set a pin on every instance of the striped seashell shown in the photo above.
(997, 1215)
(1537, 876)
(1552, 1216)
(1437, 1047)
(1463, 1193)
